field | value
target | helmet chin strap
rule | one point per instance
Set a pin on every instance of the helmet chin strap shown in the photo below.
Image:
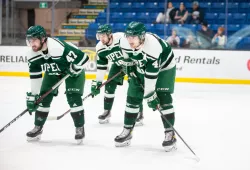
(41, 43)
(140, 45)
(109, 40)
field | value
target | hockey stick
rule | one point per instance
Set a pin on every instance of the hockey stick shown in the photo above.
(197, 158)
(37, 102)
(90, 94)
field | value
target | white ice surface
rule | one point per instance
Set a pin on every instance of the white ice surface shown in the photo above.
(213, 119)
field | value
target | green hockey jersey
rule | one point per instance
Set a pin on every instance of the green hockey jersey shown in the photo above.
(106, 54)
(55, 60)
(155, 55)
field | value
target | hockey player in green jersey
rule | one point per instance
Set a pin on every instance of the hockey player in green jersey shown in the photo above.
(154, 69)
(56, 58)
(108, 50)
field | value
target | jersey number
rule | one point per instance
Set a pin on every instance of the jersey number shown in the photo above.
(71, 56)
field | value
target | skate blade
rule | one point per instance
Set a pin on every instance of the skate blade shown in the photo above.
(170, 148)
(123, 144)
(140, 123)
(105, 121)
(33, 139)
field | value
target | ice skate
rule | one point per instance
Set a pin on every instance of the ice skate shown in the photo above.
(169, 142)
(35, 134)
(124, 138)
(139, 120)
(80, 134)
(104, 118)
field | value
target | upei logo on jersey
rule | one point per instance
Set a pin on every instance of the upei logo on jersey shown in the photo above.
(248, 64)
(114, 56)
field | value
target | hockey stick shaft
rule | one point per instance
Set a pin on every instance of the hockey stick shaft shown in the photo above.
(37, 102)
(168, 121)
(90, 94)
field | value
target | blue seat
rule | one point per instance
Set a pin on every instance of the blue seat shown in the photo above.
(239, 18)
(244, 7)
(248, 18)
(129, 16)
(114, 5)
(233, 27)
(192, 27)
(218, 7)
(119, 27)
(151, 7)
(175, 26)
(211, 17)
(138, 7)
(150, 28)
(159, 27)
(161, 7)
(222, 19)
(125, 7)
(188, 5)
(93, 26)
(153, 16)
(246, 40)
(206, 5)
(142, 16)
(102, 15)
(233, 7)
(116, 16)
(215, 27)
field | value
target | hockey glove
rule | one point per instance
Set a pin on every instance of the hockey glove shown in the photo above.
(31, 102)
(73, 71)
(95, 87)
(152, 100)
(129, 67)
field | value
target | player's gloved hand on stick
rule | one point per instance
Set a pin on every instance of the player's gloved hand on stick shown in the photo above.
(152, 100)
(129, 67)
(95, 90)
(73, 71)
(31, 102)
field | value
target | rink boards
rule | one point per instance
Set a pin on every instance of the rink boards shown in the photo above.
(194, 66)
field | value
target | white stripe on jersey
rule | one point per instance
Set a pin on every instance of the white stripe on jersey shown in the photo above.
(35, 58)
(98, 65)
(165, 43)
(76, 109)
(167, 58)
(83, 59)
(109, 95)
(43, 109)
(168, 111)
(35, 73)
(151, 74)
(132, 110)
(171, 65)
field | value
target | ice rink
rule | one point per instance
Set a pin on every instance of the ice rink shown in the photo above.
(213, 119)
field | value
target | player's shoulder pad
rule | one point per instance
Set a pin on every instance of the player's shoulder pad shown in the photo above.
(55, 47)
(99, 46)
(124, 44)
(33, 56)
(72, 45)
(117, 36)
(152, 46)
